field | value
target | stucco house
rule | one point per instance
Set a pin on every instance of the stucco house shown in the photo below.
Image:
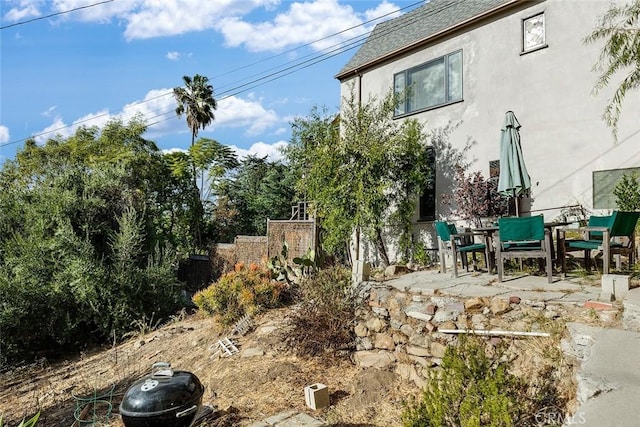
(470, 61)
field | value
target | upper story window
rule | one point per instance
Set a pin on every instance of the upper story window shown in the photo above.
(432, 84)
(533, 33)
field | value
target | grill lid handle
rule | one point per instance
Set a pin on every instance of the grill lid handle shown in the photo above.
(186, 411)
(161, 370)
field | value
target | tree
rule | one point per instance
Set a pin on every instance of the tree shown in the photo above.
(196, 101)
(627, 192)
(474, 198)
(363, 172)
(619, 28)
(258, 190)
(85, 245)
(212, 161)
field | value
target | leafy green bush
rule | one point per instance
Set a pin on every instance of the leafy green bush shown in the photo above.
(471, 389)
(246, 290)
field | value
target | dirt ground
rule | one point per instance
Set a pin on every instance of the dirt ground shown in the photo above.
(239, 389)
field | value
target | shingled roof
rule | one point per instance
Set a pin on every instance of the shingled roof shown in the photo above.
(416, 26)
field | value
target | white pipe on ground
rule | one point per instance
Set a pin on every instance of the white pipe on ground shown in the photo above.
(494, 333)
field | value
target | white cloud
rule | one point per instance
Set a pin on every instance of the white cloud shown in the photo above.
(175, 55)
(24, 10)
(49, 111)
(248, 114)
(158, 109)
(4, 134)
(261, 149)
(301, 23)
(60, 128)
(385, 9)
(170, 17)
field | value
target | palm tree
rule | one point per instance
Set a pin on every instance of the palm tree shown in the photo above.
(195, 99)
(621, 52)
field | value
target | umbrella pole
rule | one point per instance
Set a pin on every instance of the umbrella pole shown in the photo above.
(515, 200)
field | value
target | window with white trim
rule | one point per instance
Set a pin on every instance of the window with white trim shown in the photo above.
(432, 84)
(533, 33)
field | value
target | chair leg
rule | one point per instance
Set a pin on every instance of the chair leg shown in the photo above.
(587, 259)
(443, 257)
(455, 263)
(549, 267)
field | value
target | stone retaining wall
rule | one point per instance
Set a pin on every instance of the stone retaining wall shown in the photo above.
(400, 331)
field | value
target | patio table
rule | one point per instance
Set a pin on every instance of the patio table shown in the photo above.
(556, 252)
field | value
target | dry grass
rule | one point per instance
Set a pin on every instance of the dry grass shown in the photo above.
(241, 389)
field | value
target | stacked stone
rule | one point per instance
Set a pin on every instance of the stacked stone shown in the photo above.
(399, 331)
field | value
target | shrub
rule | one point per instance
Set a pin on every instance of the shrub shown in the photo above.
(473, 389)
(323, 324)
(245, 290)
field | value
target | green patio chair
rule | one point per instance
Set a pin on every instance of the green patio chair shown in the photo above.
(610, 235)
(453, 242)
(523, 237)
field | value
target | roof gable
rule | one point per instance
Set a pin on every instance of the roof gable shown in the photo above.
(415, 26)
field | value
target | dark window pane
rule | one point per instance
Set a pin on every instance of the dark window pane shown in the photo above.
(428, 198)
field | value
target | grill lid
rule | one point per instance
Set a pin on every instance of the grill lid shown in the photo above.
(162, 391)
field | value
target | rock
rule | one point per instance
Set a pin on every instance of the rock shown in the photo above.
(361, 330)
(394, 270)
(437, 349)
(514, 299)
(384, 341)
(252, 352)
(449, 312)
(407, 330)
(430, 309)
(420, 340)
(364, 344)
(448, 325)
(380, 311)
(374, 359)
(400, 338)
(376, 324)
(418, 315)
(478, 321)
(499, 306)
(474, 303)
(416, 350)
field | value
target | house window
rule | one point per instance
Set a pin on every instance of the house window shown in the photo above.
(432, 84)
(604, 184)
(428, 197)
(533, 33)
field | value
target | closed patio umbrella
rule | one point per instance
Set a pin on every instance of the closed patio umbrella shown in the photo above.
(514, 179)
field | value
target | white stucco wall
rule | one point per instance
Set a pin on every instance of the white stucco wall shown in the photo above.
(564, 138)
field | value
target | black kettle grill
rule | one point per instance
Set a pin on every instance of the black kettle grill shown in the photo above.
(166, 398)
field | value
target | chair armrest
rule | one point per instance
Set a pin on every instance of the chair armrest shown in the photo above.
(467, 234)
(584, 230)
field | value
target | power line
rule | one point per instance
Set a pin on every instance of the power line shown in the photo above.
(283, 70)
(15, 24)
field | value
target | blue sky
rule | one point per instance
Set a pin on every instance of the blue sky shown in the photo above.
(67, 63)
